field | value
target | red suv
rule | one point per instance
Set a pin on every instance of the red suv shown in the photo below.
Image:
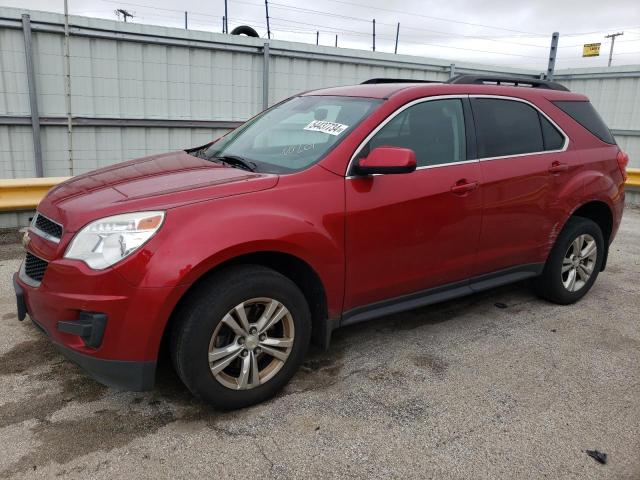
(330, 208)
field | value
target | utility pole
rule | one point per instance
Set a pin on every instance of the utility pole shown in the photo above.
(124, 13)
(226, 18)
(336, 41)
(318, 37)
(266, 10)
(613, 40)
(551, 66)
(374, 34)
(223, 22)
(397, 35)
(186, 27)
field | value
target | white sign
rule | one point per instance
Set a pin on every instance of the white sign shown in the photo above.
(326, 127)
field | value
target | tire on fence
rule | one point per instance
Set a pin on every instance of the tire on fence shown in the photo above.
(244, 30)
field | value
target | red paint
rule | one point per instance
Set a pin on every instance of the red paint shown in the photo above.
(368, 238)
(388, 160)
(409, 232)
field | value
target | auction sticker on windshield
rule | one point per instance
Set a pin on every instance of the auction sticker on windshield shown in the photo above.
(326, 127)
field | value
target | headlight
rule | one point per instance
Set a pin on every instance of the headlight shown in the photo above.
(107, 241)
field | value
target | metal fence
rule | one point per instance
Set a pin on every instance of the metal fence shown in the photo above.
(134, 90)
(109, 91)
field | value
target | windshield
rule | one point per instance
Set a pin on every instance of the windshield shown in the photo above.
(292, 135)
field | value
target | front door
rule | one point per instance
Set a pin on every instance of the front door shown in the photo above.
(410, 232)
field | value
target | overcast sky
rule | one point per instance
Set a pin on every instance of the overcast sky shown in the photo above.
(485, 31)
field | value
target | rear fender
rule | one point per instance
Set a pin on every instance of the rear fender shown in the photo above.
(574, 195)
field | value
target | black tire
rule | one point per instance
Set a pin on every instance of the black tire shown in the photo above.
(245, 30)
(204, 309)
(550, 285)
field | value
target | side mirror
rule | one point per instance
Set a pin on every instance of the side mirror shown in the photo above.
(387, 160)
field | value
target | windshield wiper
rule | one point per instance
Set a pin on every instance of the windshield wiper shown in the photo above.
(238, 162)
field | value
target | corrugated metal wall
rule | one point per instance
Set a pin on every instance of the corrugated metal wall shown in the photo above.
(127, 72)
(126, 76)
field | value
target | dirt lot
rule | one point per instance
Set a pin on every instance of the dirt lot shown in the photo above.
(460, 390)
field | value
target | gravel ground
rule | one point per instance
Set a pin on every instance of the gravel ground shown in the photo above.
(459, 390)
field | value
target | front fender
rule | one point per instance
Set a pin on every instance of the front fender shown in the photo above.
(303, 219)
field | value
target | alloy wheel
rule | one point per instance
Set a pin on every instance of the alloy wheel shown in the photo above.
(251, 344)
(579, 262)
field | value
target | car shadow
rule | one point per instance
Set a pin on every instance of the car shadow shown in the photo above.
(321, 368)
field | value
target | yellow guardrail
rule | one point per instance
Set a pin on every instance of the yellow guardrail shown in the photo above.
(633, 177)
(26, 193)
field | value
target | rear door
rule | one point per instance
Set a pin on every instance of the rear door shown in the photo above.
(523, 162)
(409, 232)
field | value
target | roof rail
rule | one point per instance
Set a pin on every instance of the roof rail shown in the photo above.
(506, 81)
(396, 80)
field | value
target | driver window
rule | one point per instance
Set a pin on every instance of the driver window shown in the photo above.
(434, 130)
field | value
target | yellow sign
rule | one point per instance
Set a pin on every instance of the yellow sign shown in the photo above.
(591, 50)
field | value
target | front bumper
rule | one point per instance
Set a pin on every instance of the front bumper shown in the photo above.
(72, 302)
(119, 374)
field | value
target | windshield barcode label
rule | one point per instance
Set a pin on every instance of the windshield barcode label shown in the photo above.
(326, 127)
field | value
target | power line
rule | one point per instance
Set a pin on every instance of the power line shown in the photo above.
(474, 37)
(143, 6)
(322, 26)
(415, 14)
(367, 34)
(411, 39)
(347, 17)
(449, 35)
(582, 44)
(597, 32)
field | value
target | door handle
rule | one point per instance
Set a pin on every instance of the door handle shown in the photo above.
(557, 167)
(463, 186)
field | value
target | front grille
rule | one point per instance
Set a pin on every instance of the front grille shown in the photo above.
(47, 226)
(35, 267)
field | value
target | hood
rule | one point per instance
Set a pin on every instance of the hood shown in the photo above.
(158, 182)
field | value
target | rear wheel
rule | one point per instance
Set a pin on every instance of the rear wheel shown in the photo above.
(574, 262)
(241, 336)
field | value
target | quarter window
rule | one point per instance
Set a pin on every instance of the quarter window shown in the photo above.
(434, 130)
(506, 127)
(586, 115)
(553, 139)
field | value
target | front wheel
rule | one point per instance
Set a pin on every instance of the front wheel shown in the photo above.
(574, 262)
(241, 336)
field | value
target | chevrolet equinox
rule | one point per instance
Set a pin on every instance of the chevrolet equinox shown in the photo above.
(330, 208)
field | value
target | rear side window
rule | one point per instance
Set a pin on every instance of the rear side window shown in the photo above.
(584, 113)
(506, 127)
(553, 139)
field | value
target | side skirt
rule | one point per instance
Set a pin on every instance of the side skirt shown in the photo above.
(441, 293)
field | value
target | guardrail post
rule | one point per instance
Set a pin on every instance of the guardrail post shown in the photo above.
(265, 76)
(33, 98)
